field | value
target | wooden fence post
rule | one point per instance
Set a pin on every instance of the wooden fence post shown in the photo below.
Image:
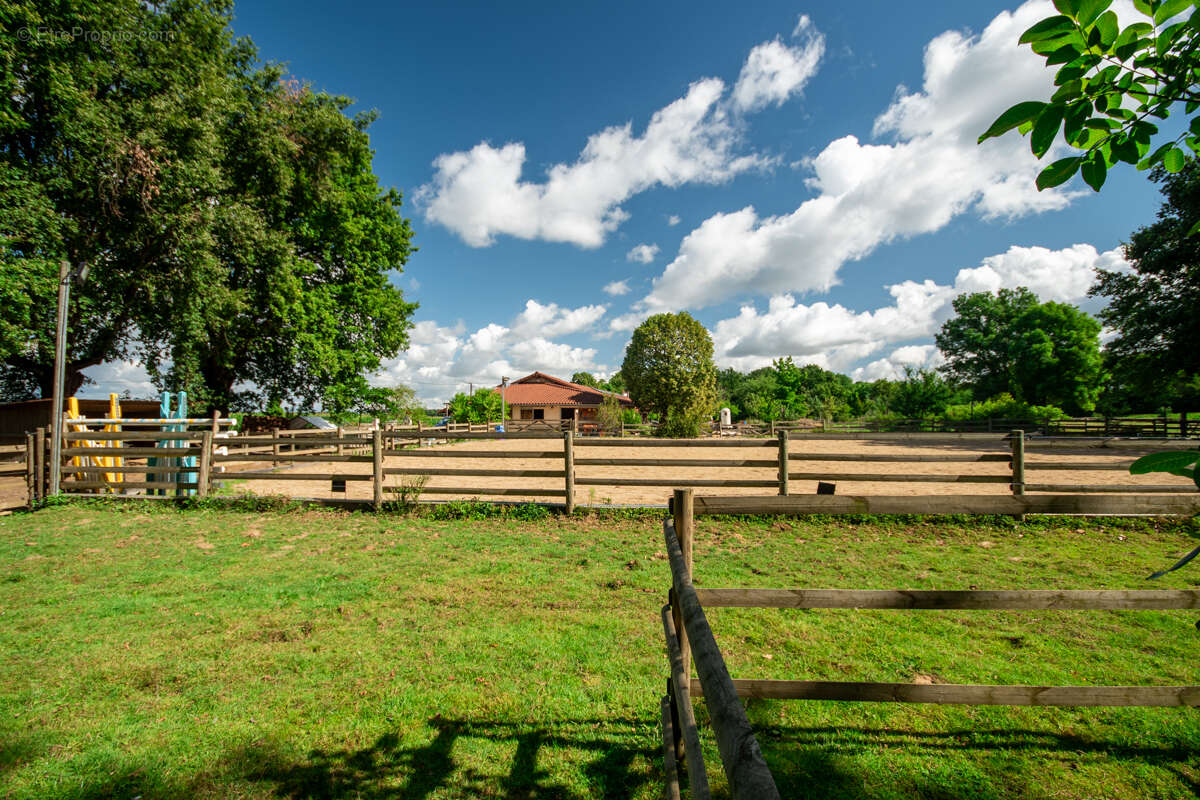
(341, 448)
(203, 479)
(30, 472)
(40, 463)
(1183, 424)
(682, 505)
(377, 453)
(569, 469)
(277, 434)
(783, 462)
(1017, 439)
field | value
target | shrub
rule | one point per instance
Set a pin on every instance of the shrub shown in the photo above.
(1002, 406)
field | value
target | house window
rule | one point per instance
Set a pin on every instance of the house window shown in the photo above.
(539, 413)
(526, 413)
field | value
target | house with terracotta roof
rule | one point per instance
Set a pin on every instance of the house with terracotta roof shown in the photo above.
(539, 396)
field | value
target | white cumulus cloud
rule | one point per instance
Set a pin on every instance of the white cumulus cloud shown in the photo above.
(837, 337)
(643, 253)
(481, 193)
(868, 194)
(442, 360)
(774, 71)
(616, 288)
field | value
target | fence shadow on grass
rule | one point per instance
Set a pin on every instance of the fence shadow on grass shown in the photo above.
(620, 754)
(811, 762)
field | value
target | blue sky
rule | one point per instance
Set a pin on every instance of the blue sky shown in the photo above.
(802, 178)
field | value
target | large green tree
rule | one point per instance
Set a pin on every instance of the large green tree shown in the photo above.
(1112, 83)
(107, 149)
(669, 371)
(1008, 341)
(297, 299)
(237, 237)
(1155, 309)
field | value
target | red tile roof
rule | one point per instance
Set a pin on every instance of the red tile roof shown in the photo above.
(540, 389)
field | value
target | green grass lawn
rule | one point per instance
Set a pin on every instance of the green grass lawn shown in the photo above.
(213, 653)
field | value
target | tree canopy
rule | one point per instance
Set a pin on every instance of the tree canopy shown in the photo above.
(1154, 357)
(483, 406)
(1112, 82)
(1009, 342)
(669, 371)
(237, 237)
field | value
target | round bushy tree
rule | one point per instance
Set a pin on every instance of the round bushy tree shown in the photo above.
(669, 371)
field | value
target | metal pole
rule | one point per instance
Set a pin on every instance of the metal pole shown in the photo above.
(60, 367)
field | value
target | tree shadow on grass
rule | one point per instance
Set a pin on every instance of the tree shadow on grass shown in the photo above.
(818, 762)
(390, 769)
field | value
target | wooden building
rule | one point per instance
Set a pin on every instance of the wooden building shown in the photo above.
(545, 397)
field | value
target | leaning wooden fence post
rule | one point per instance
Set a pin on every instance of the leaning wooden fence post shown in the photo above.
(206, 451)
(569, 470)
(783, 462)
(682, 505)
(1018, 462)
(377, 454)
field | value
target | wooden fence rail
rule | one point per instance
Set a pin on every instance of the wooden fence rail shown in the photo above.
(773, 465)
(740, 755)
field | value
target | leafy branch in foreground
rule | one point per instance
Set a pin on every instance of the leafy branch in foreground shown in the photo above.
(1183, 463)
(1111, 84)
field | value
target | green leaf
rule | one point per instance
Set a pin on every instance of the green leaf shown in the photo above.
(1067, 92)
(1174, 159)
(1074, 118)
(1069, 74)
(1045, 128)
(1049, 28)
(1058, 173)
(1192, 231)
(1143, 6)
(1059, 51)
(1125, 150)
(1108, 27)
(1013, 117)
(1094, 171)
(1067, 6)
(1089, 10)
(1171, 462)
(1167, 39)
(1169, 9)
(1132, 33)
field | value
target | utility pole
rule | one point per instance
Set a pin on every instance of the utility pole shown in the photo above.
(65, 277)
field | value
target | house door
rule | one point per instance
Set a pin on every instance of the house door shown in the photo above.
(568, 413)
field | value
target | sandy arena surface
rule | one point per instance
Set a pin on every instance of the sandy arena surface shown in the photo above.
(754, 449)
(12, 489)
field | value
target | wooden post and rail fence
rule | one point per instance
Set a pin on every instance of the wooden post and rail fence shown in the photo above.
(690, 640)
(397, 454)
